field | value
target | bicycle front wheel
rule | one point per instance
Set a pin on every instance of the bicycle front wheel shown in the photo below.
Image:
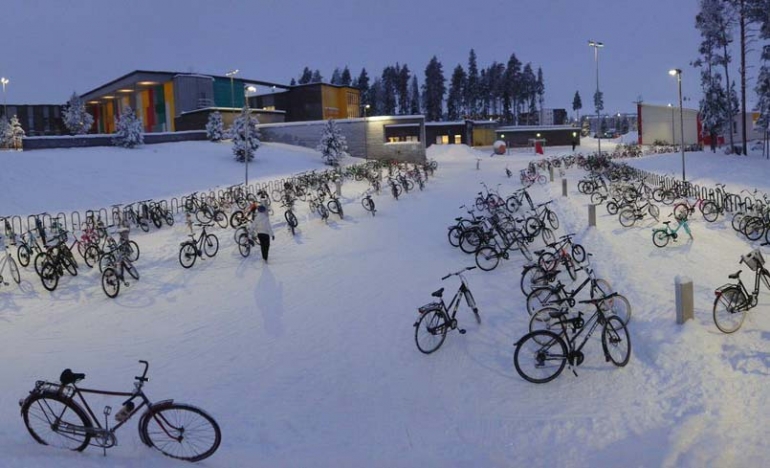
(540, 356)
(430, 331)
(14, 269)
(729, 311)
(710, 211)
(55, 421)
(181, 431)
(616, 342)
(211, 245)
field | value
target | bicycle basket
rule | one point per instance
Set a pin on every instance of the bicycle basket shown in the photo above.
(429, 307)
(754, 259)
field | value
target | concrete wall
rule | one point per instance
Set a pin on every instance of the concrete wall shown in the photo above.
(365, 137)
(662, 123)
(34, 143)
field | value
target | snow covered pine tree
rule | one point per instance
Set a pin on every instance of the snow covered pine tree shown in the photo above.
(333, 145)
(17, 133)
(128, 130)
(215, 128)
(245, 136)
(76, 119)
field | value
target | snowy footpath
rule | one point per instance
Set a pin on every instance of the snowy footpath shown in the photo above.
(310, 360)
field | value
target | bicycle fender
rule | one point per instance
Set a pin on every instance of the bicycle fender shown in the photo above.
(147, 413)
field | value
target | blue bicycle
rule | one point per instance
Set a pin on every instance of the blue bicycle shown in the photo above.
(661, 237)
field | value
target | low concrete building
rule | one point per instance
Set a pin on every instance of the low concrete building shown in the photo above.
(661, 123)
(400, 138)
(523, 135)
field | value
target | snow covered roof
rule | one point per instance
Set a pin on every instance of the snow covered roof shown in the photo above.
(531, 128)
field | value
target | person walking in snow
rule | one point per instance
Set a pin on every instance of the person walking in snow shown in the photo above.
(260, 226)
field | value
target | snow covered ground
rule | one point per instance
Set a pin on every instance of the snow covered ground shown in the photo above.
(310, 360)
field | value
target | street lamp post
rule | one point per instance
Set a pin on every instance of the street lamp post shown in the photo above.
(596, 46)
(5, 81)
(251, 89)
(678, 73)
(673, 133)
(231, 74)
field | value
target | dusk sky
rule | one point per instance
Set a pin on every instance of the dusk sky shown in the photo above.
(56, 47)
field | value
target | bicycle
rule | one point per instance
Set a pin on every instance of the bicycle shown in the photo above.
(544, 296)
(733, 300)
(435, 320)
(548, 352)
(54, 417)
(368, 203)
(8, 261)
(190, 250)
(629, 215)
(661, 237)
(114, 273)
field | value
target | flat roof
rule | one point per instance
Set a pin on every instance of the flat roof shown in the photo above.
(137, 77)
(536, 128)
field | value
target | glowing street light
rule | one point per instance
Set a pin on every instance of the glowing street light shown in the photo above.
(678, 73)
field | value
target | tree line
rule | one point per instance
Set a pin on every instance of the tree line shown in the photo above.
(510, 92)
(719, 21)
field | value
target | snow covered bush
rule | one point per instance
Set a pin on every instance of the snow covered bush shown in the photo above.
(215, 128)
(6, 133)
(128, 129)
(333, 145)
(245, 136)
(76, 119)
(17, 133)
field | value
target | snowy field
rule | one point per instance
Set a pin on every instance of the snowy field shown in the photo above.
(310, 360)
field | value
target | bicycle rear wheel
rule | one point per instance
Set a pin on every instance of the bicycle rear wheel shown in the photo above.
(616, 341)
(430, 331)
(729, 311)
(110, 282)
(211, 245)
(181, 431)
(244, 246)
(540, 356)
(487, 258)
(55, 421)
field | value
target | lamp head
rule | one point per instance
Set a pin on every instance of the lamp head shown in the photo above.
(674, 72)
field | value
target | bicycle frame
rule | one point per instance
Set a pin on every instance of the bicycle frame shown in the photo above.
(595, 320)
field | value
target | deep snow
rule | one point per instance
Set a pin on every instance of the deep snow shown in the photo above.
(310, 360)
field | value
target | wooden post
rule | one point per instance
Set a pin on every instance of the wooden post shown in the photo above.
(338, 187)
(684, 299)
(550, 170)
(478, 162)
(592, 215)
(564, 187)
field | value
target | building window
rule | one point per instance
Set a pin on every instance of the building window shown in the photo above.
(442, 139)
(458, 140)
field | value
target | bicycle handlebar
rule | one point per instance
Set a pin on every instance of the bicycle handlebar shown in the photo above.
(143, 378)
(458, 272)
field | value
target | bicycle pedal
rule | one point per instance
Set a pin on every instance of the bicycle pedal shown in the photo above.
(461, 330)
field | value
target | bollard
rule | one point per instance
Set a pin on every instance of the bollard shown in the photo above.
(684, 299)
(592, 215)
(564, 187)
(338, 187)
(550, 170)
(478, 162)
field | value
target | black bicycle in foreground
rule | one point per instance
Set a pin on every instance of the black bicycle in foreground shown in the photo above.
(435, 319)
(55, 417)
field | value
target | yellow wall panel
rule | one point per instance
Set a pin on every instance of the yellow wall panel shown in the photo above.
(168, 94)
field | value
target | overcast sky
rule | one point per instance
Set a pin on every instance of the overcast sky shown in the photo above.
(55, 47)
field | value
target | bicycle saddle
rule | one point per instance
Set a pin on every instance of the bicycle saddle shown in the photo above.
(69, 377)
(667, 222)
(438, 293)
(735, 275)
